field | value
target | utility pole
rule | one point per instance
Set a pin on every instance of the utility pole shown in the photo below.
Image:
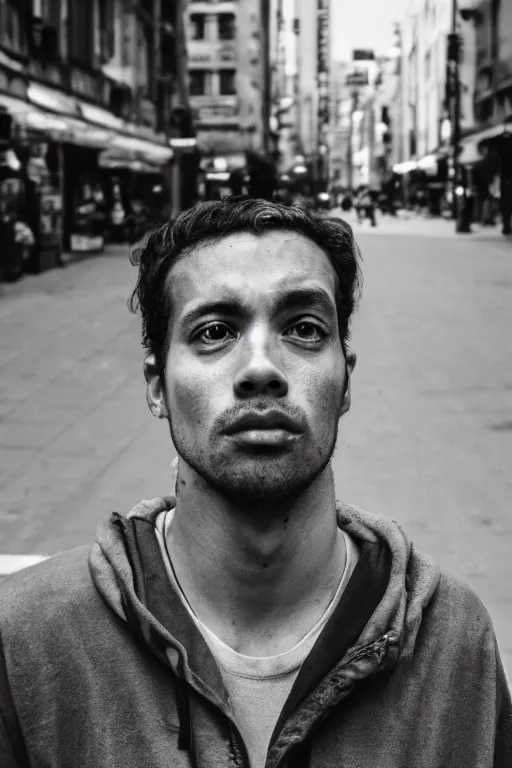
(267, 75)
(460, 204)
(354, 103)
(157, 59)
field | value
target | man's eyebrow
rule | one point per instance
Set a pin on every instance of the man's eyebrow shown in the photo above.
(300, 298)
(233, 306)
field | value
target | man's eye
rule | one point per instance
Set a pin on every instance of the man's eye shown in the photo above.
(307, 331)
(214, 333)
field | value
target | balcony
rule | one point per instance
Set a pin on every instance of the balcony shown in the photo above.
(211, 54)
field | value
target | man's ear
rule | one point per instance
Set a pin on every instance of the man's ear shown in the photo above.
(155, 392)
(350, 364)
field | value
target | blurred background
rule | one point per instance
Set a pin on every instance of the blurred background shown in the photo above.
(115, 115)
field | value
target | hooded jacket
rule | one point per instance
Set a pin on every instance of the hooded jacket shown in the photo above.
(102, 667)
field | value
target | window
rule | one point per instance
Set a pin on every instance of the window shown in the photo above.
(197, 26)
(49, 11)
(81, 37)
(12, 31)
(107, 30)
(227, 82)
(199, 82)
(226, 26)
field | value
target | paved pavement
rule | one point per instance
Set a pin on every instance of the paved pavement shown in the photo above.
(428, 440)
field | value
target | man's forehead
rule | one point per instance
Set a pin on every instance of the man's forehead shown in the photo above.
(270, 263)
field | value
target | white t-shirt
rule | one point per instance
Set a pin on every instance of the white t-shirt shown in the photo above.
(258, 686)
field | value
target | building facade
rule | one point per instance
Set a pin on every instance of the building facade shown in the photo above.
(225, 75)
(424, 35)
(305, 21)
(87, 89)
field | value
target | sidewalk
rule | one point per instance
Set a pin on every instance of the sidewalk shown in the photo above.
(29, 282)
(417, 225)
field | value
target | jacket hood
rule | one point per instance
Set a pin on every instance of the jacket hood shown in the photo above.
(129, 574)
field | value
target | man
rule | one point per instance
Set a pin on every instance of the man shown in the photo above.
(250, 620)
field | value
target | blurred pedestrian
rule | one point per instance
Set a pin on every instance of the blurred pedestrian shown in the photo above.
(249, 619)
(347, 202)
(365, 207)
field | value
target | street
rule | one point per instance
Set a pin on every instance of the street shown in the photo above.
(428, 440)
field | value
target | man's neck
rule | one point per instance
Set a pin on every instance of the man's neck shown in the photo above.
(258, 579)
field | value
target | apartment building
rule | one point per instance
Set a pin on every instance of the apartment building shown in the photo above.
(225, 74)
(424, 65)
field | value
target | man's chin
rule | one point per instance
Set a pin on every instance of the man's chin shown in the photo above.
(260, 483)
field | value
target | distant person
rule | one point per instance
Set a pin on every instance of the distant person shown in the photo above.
(249, 619)
(365, 207)
(347, 202)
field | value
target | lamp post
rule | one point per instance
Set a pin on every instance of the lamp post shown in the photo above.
(460, 203)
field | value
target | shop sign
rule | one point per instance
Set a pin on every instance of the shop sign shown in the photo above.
(84, 84)
(217, 111)
(323, 36)
(199, 58)
(323, 59)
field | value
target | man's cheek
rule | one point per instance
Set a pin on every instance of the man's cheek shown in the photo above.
(190, 400)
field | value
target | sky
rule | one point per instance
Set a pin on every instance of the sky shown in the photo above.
(363, 24)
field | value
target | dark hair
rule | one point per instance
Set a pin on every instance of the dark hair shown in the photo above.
(212, 221)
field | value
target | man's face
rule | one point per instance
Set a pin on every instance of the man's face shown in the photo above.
(255, 375)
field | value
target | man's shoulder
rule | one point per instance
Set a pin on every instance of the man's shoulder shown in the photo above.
(458, 614)
(453, 592)
(46, 589)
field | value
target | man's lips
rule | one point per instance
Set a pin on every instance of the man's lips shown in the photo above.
(270, 421)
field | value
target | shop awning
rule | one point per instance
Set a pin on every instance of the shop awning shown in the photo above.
(140, 149)
(52, 99)
(485, 135)
(62, 118)
(30, 118)
(406, 167)
(100, 116)
(470, 145)
(113, 158)
(428, 164)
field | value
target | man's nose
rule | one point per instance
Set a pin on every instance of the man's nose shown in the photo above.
(260, 372)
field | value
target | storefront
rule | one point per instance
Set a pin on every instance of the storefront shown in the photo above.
(58, 141)
(33, 141)
(484, 157)
(137, 191)
(91, 208)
